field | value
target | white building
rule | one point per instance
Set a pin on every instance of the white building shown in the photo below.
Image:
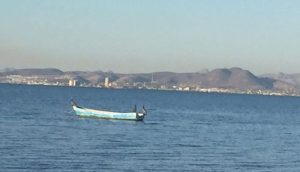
(106, 82)
(72, 82)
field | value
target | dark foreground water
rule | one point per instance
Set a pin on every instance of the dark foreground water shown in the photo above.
(184, 131)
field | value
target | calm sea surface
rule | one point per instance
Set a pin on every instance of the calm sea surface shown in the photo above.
(184, 131)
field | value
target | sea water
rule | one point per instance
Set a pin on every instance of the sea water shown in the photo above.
(183, 131)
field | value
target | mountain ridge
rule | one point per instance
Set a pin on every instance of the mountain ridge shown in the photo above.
(228, 78)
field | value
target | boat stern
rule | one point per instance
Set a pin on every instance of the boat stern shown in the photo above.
(140, 116)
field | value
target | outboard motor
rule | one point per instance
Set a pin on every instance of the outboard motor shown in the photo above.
(144, 110)
(73, 103)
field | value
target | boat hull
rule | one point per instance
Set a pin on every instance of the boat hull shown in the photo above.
(85, 112)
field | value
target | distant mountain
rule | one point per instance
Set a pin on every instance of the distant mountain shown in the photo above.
(218, 78)
(33, 72)
(132, 78)
(286, 79)
(233, 78)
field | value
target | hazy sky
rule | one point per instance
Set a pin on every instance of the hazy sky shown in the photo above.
(151, 35)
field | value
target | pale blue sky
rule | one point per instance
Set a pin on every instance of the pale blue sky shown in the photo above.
(151, 35)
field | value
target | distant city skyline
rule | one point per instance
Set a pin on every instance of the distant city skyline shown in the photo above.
(149, 36)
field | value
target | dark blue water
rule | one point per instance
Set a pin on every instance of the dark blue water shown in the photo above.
(184, 131)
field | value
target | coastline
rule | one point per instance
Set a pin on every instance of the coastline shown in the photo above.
(206, 90)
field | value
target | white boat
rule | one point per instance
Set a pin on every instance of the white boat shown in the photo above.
(85, 112)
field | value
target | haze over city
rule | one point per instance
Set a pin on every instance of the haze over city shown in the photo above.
(147, 36)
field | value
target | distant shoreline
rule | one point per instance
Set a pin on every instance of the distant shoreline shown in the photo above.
(233, 80)
(169, 90)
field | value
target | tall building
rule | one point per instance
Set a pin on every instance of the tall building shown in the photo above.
(106, 82)
(72, 82)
